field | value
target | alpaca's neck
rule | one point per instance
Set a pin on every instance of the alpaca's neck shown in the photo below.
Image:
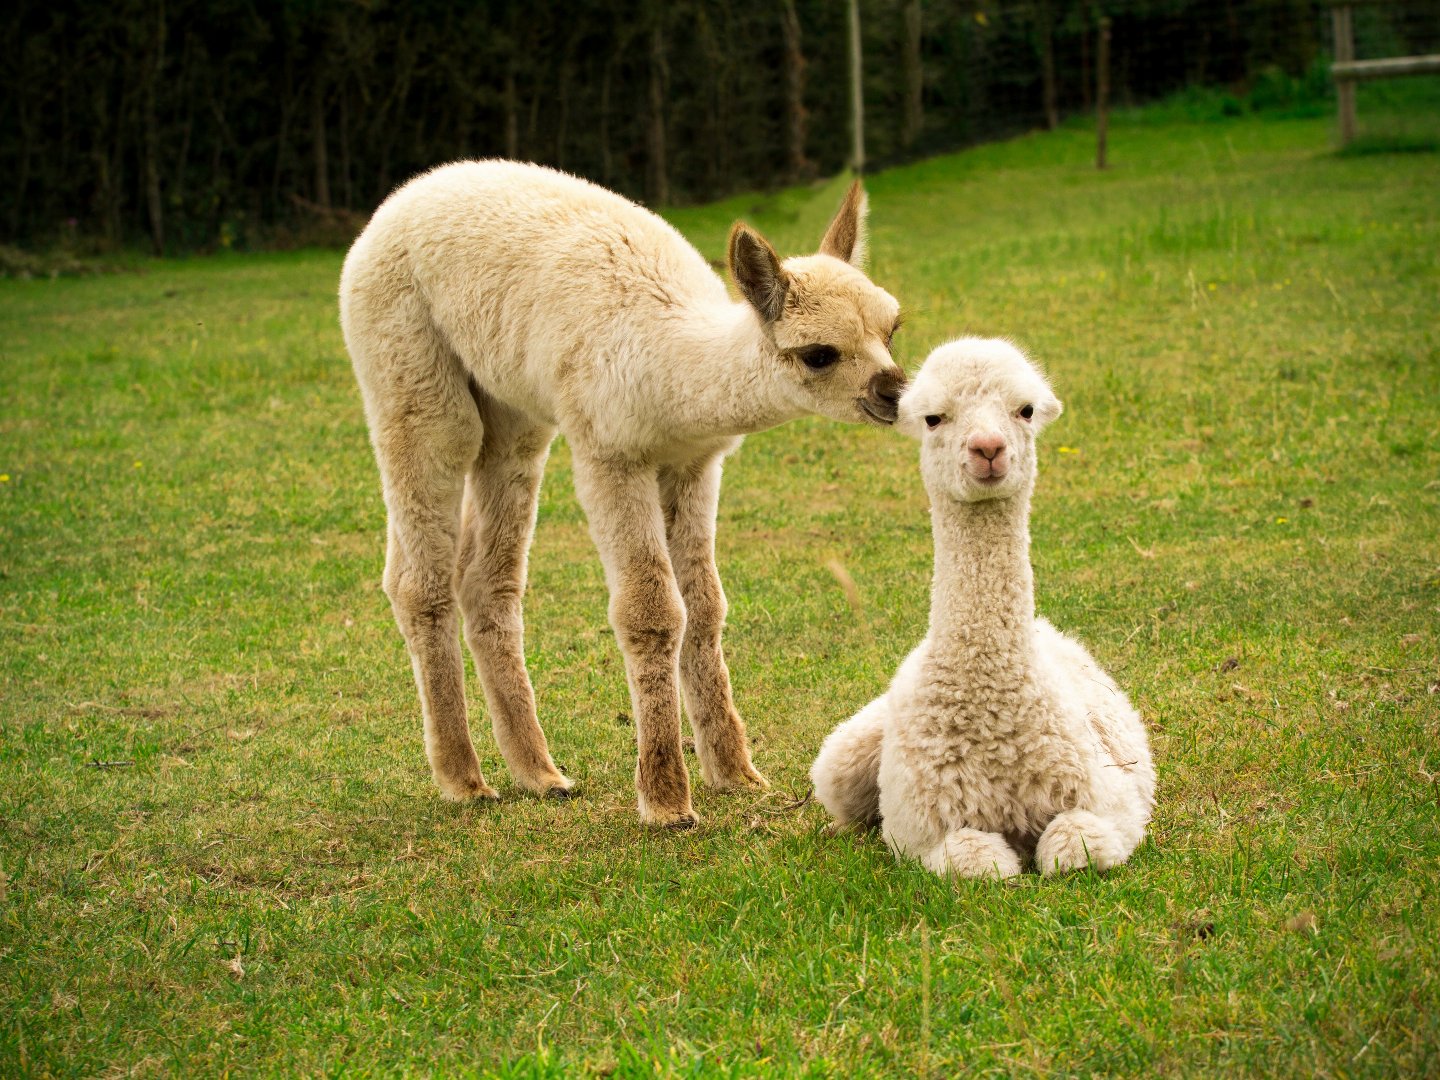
(982, 606)
(732, 376)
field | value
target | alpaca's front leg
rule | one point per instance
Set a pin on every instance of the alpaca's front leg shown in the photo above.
(914, 824)
(690, 497)
(622, 501)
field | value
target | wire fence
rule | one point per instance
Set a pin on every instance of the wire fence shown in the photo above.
(203, 123)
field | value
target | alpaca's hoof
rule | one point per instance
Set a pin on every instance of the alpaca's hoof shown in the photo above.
(560, 793)
(548, 785)
(474, 790)
(732, 771)
(1075, 840)
(456, 772)
(672, 820)
(748, 780)
(673, 814)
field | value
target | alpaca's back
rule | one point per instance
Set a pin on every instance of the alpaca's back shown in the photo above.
(524, 272)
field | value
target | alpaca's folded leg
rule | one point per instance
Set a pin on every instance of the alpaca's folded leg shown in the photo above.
(975, 854)
(689, 497)
(1077, 839)
(846, 774)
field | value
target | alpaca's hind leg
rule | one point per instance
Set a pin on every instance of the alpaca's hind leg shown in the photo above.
(846, 773)
(690, 496)
(1078, 838)
(622, 501)
(498, 523)
(423, 444)
(975, 854)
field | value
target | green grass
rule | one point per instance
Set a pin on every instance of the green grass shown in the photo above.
(1239, 512)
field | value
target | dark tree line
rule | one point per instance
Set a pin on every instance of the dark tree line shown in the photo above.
(192, 124)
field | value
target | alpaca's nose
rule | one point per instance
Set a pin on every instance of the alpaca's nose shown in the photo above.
(882, 400)
(987, 444)
(886, 386)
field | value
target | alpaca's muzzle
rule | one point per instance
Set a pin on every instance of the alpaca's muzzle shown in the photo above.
(882, 399)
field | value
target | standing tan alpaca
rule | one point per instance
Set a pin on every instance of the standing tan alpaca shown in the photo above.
(489, 305)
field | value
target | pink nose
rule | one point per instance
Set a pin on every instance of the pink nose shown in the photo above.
(987, 445)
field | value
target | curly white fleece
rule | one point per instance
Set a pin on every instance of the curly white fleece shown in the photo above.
(999, 738)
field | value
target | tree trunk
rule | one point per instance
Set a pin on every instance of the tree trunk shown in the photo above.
(153, 202)
(607, 165)
(182, 159)
(107, 159)
(1045, 14)
(282, 137)
(659, 178)
(857, 94)
(914, 117)
(714, 53)
(532, 129)
(512, 119)
(346, 194)
(217, 161)
(563, 122)
(394, 105)
(22, 181)
(1102, 94)
(799, 166)
(319, 139)
(724, 75)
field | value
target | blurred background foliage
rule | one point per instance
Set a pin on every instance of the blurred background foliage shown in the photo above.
(192, 125)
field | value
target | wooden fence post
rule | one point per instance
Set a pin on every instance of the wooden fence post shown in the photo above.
(1347, 71)
(857, 94)
(1340, 20)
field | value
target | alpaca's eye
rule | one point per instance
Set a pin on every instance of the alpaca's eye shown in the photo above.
(933, 421)
(818, 357)
(1027, 412)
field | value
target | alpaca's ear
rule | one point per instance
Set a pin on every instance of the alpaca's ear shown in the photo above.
(1046, 409)
(910, 424)
(910, 416)
(756, 270)
(845, 238)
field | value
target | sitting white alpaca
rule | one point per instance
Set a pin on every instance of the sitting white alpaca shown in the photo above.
(999, 736)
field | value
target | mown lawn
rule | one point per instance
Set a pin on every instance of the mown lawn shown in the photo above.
(220, 849)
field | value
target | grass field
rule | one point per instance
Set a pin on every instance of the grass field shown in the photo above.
(220, 849)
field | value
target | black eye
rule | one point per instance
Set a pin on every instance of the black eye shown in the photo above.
(1028, 411)
(818, 357)
(933, 421)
